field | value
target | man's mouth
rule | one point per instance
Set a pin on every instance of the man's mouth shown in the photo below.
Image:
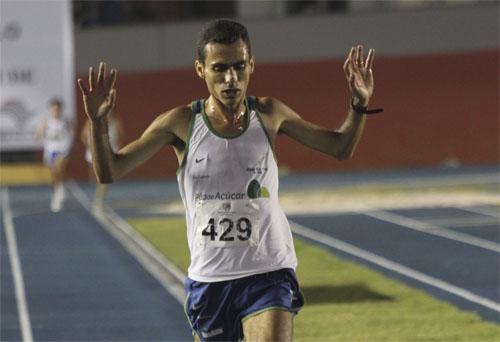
(231, 92)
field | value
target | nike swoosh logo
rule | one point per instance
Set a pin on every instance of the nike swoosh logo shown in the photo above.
(199, 160)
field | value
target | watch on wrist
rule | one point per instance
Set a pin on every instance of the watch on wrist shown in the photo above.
(364, 109)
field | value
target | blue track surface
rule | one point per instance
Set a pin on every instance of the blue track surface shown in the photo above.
(82, 285)
(469, 267)
(10, 329)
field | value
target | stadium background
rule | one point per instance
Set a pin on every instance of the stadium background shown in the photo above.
(413, 250)
(436, 74)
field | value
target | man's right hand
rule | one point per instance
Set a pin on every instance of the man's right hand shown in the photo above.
(99, 95)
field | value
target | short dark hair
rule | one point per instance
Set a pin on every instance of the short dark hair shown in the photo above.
(222, 31)
(56, 102)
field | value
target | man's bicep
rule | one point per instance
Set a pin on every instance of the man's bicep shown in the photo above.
(309, 134)
(142, 149)
(293, 125)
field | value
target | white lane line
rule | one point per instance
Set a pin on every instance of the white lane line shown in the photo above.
(471, 222)
(167, 274)
(427, 181)
(391, 265)
(433, 229)
(487, 212)
(484, 178)
(17, 273)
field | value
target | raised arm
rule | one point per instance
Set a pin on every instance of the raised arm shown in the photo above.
(84, 133)
(99, 97)
(120, 131)
(341, 142)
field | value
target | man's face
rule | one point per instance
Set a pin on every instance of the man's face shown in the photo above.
(226, 71)
(55, 108)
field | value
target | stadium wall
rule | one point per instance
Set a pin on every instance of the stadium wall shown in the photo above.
(441, 105)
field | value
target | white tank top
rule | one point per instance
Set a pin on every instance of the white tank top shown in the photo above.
(229, 186)
(58, 135)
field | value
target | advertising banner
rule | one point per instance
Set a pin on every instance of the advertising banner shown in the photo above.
(37, 65)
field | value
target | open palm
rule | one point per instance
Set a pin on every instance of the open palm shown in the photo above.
(99, 95)
(359, 74)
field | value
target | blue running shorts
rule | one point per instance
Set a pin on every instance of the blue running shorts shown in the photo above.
(50, 156)
(216, 310)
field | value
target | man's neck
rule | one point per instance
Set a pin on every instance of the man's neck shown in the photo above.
(218, 111)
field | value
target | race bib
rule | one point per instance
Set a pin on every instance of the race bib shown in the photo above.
(227, 223)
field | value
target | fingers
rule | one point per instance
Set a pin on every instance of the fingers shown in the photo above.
(347, 62)
(346, 67)
(91, 78)
(369, 59)
(355, 60)
(110, 84)
(83, 87)
(112, 98)
(359, 55)
(102, 73)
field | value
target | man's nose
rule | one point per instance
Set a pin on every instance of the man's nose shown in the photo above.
(231, 75)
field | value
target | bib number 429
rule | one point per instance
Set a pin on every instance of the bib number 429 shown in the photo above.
(224, 230)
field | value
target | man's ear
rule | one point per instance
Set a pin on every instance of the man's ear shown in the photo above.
(252, 64)
(200, 68)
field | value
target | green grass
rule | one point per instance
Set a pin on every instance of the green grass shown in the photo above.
(400, 189)
(168, 236)
(346, 301)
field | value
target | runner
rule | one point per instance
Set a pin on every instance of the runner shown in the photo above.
(241, 281)
(57, 134)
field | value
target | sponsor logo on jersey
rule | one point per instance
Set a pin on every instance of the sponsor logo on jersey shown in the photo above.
(224, 196)
(255, 190)
(257, 170)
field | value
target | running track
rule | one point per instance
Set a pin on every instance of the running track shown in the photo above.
(66, 278)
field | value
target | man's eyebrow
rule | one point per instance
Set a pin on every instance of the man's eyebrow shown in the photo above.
(224, 65)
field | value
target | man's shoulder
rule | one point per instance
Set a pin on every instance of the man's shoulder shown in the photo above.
(173, 119)
(178, 114)
(268, 105)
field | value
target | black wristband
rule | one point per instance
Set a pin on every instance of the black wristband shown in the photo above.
(365, 110)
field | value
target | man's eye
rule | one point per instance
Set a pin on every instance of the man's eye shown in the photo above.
(219, 68)
(241, 66)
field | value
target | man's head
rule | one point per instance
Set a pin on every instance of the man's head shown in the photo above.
(224, 61)
(56, 107)
(222, 31)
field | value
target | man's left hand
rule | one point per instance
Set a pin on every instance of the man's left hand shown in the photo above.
(359, 75)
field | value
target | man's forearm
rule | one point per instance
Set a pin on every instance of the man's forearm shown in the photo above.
(350, 133)
(102, 154)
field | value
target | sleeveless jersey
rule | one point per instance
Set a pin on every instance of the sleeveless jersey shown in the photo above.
(229, 187)
(58, 135)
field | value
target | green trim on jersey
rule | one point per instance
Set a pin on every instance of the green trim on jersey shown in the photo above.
(265, 132)
(220, 135)
(190, 131)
